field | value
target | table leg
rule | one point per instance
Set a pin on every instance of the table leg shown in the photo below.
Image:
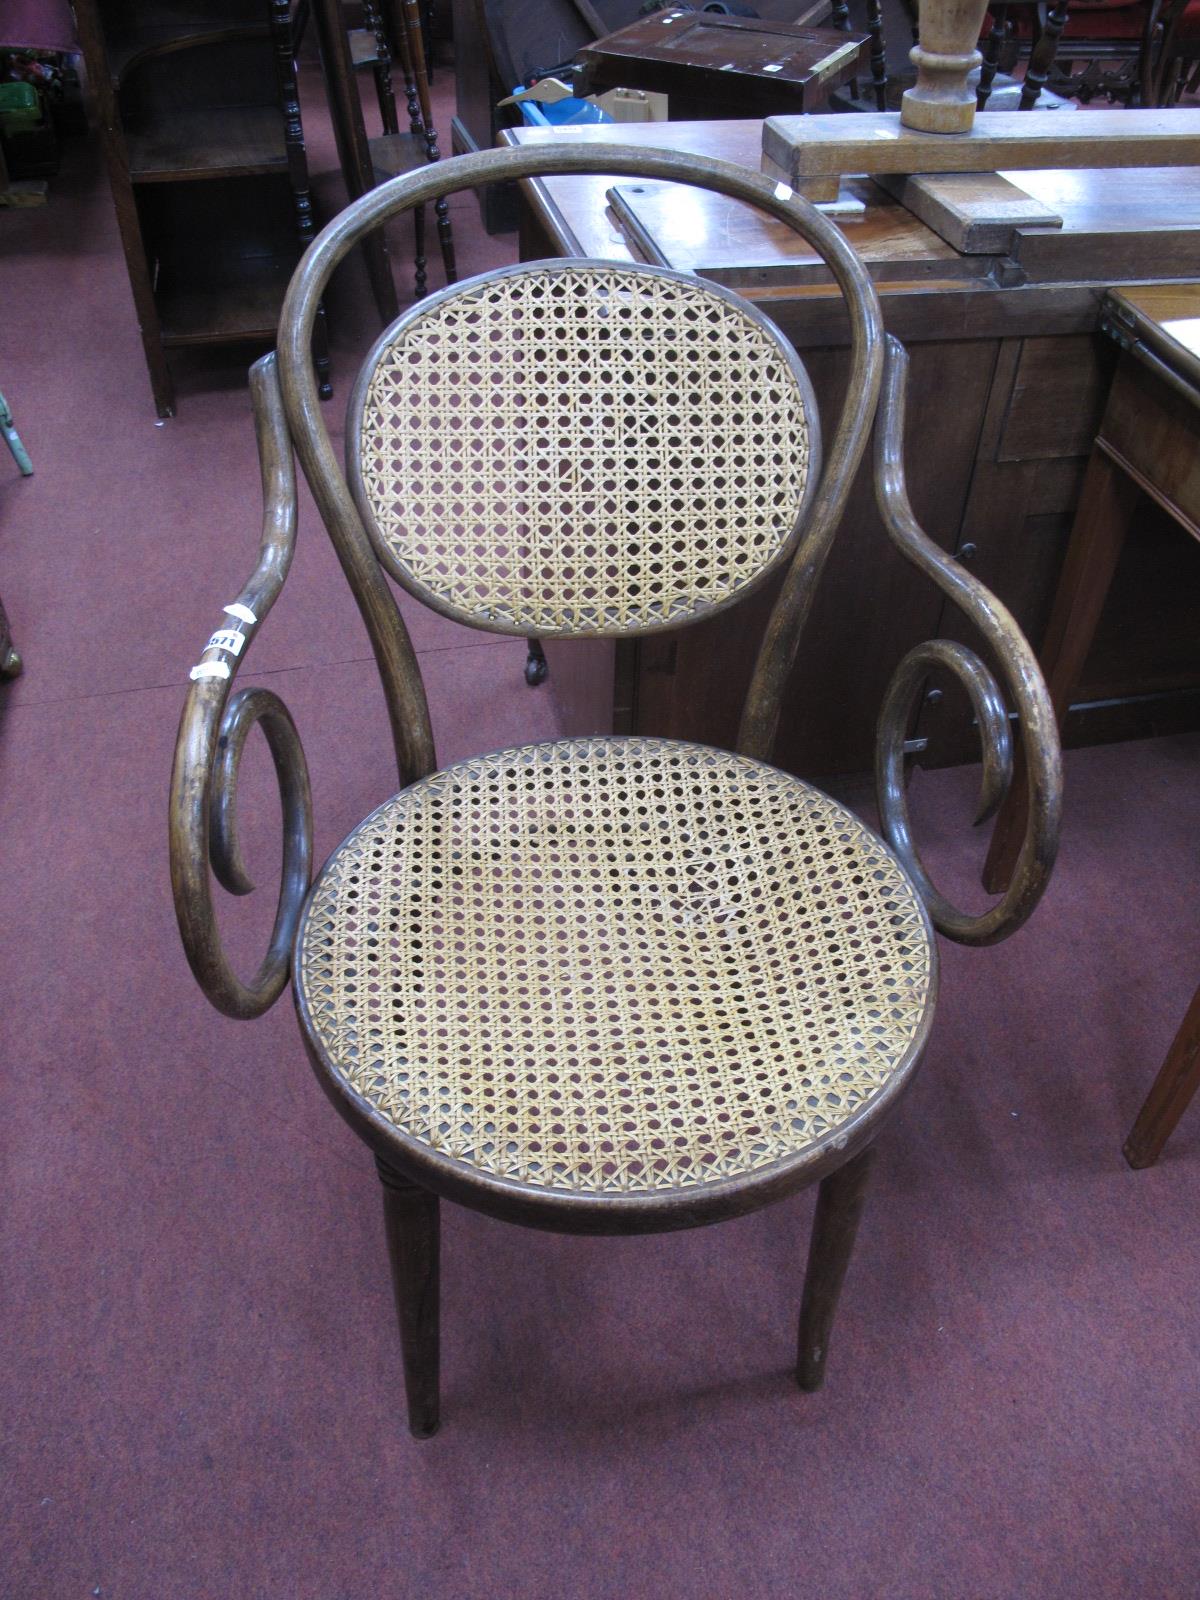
(1177, 1081)
(1041, 57)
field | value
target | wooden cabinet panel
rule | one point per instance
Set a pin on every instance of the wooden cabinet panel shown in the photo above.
(1142, 675)
(1057, 397)
(1014, 534)
(872, 606)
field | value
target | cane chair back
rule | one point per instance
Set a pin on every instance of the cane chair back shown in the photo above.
(576, 448)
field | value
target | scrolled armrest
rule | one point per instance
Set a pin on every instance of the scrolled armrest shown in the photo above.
(1021, 674)
(212, 735)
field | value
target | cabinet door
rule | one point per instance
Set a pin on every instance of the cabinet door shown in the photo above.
(871, 607)
(1045, 405)
(1143, 673)
(1013, 537)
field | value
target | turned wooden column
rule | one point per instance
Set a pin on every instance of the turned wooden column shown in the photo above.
(940, 100)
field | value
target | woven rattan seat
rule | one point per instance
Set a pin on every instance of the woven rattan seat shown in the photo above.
(615, 965)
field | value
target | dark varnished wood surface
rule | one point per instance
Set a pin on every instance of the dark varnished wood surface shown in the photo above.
(1152, 430)
(712, 65)
(1015, 382)
(1160, 319)
(1146, 444)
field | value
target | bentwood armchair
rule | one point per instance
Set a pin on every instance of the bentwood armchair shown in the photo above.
(602, 984)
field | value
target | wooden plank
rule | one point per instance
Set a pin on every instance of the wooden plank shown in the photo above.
(874, 142)
(1129, 200)
(733, 243)
(975, 212)
(1111, 257)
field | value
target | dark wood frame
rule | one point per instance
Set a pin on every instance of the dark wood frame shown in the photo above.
(216, 721)
(634, 58)
(110, 63)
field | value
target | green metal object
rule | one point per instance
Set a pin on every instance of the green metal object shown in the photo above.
(20, 107)
(13, 439)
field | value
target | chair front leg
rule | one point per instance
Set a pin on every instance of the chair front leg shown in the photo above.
(835, 1223)
(413, 1237)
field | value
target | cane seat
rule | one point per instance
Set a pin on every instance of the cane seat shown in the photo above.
(615, 965)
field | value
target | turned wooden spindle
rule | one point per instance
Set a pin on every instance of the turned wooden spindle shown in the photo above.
(941, 101)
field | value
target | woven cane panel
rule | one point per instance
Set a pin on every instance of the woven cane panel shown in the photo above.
(614, 964)
(594, 449)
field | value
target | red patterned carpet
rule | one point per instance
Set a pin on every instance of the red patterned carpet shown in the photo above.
(200, 1385)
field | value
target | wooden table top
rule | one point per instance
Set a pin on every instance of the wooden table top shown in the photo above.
(1159, 322)
(1100, 208)
(1173, 307)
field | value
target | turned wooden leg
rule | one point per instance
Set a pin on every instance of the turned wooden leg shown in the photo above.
(879, 80)
(446, 239)
(1041, 58)
(991, 56)
(839, 1206)
(420, 280)
(945, 56)
(1177, 1081)
(411, 1215)
(320, 345)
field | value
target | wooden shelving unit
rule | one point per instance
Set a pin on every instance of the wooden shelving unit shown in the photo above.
(205, 148)
(233, 142)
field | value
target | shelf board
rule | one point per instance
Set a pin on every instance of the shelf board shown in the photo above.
(177, 25)
(223, 313)
(364, 48)
(220, 142)
(395, 153)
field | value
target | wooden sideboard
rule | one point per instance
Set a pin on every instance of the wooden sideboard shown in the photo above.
(1009, 380)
